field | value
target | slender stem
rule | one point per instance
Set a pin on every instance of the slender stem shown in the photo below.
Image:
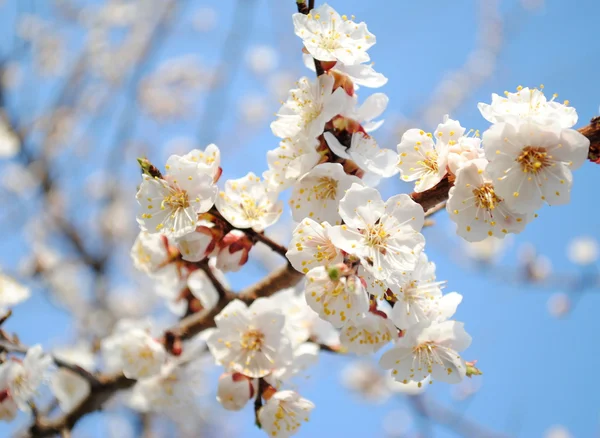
(279, 249)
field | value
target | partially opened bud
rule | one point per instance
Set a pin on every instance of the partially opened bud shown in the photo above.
(197, 245)
(233, 252)
(235, 390)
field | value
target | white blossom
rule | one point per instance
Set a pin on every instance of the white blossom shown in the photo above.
(235, 390)
(141, 355)
(531, 164)
(246, 203)
(208, 160)
(368, 334)
(384, 235)
(11, 292)
(171, 205)
(465, 150)
(423, 160)
(329, 37)
(173, 391)
(250, 340)
(283, 413)
(22, 379)
(69, 388)
(311, 246)
(365, 152)
(317, 194)
(528, 105)
(429, 350)
(418, 296)
(149, 252)
(309, 107)
(337, 298)
(290, 161)
(474, 205)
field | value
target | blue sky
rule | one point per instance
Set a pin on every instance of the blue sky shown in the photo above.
(539, 370)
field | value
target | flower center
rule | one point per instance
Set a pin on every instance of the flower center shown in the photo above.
(430, 162)
(533, 159)
(176, 199)
(485, 197)
(252, 340)
(326, 251)
(311, 112)
(375, 235)
(326, 188)
(251, 209)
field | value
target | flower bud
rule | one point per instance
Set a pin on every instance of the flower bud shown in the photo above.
(233, 252)
(235, 390)
(199, 244)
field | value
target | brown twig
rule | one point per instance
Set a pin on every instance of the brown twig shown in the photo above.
(260, 237)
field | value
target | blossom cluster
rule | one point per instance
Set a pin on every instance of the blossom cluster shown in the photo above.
(367, 286)
(368, 282)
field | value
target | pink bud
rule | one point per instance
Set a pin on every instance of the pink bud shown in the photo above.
(233, 252)
(235, 390)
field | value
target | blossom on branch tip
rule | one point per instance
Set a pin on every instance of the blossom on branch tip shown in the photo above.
(329, 37)
(283, 413)
(531, 164)
(246, 203)
(317, 194)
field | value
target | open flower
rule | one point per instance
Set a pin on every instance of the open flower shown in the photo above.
(360, 74)
(528, 105)
(476, 207)
(336, 297)
(311, 246)
(368, 334)
(384, 235)
(309, 107)
(317, 194)
(429, 350)
(246, 203)
(292, 159)
(531, 164)
(21, 380)
(250, 340)
(283, 413)
(171, 205)
(329, 37)
(141, 355)
(423, 160)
